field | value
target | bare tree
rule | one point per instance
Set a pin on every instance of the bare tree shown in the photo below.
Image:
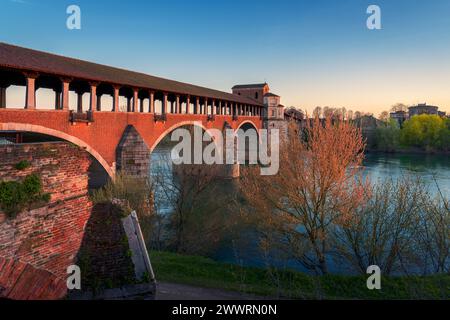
(399, 107)
(383, 231)
(319, 184)
(384, 116)
(433, 239)
(317, 112)
(196, 219)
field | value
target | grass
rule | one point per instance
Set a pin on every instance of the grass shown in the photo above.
(205, 272)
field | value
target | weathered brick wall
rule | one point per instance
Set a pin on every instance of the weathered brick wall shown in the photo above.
(62, 167)
(48, 238)
(40, 244)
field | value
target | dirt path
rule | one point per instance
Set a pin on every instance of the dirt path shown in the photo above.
(173, 291)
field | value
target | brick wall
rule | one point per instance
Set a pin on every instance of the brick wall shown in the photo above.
(40, 244)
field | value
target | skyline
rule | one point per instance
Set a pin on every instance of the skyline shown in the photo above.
(311, 53)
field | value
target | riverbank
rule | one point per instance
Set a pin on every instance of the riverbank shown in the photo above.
(287, 284)
(407, 151)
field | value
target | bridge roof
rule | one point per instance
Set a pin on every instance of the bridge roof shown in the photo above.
(15, 57)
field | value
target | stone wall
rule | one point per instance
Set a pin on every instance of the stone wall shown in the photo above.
(133, 154)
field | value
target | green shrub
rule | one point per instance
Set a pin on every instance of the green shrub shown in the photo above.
(22, 165)
(15, 196)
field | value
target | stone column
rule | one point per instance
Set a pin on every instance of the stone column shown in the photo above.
(93, 104)
(2, 97)
(164, 104)
(135, 100)
(220, 108)
(188, 104)
(129, 104)
(30, 102)
(151, 103)
(141, 106)
(116, 98)
(99, 102)
(206, 106)
(178, 105)
(65, 94)
(79, 101)
(213, 107)
(197, 105)
(57, 99)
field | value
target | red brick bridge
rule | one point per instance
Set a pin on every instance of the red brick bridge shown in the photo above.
(95, 106)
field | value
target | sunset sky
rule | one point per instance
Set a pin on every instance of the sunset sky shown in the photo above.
(312, 53)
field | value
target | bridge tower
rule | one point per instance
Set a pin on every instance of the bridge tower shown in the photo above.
(273, 115)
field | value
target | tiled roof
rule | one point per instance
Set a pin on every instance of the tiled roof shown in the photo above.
(31, 60)
(271, 95)
(249, 86)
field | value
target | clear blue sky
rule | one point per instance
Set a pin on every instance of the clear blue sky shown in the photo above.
(316, 52)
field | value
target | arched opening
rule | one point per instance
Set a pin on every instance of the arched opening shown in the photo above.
(158, 102)
(48, 93)
(12, 89)
(248, 143)
(98, 176)
(125, 99)
(105, 97)
(41, 134)
(79, 96)
(144, 101)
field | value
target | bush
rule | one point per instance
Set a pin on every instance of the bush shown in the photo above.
(22, 165)
(15, 196)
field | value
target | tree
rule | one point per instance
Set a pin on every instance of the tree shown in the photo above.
(388, 136)
(196, 219)
(384, 116)
(425, 131)
(317, 113)
(399, 107)
(319, 184)
(383, 231)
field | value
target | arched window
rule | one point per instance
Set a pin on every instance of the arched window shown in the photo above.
(256, 95)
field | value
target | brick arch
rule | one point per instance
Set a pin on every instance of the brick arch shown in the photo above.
(58, 134)
(175, 126)
(247, 122)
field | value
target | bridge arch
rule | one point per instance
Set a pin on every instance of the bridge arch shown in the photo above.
(247, 122)
(176, 126)
(58, 134)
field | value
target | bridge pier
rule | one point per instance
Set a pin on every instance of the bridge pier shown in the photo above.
(133, 154)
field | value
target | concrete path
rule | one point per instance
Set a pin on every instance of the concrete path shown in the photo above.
(173, 291)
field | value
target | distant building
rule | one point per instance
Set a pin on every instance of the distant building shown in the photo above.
(399, 116)
(253, 91)
(421, 108)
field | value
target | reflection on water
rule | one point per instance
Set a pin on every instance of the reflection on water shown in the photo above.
(161, 168)
(430, 168)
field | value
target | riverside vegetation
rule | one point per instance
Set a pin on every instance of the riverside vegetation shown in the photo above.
(318, 209)
(428, 133)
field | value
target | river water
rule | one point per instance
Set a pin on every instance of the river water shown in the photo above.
(432, 169)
